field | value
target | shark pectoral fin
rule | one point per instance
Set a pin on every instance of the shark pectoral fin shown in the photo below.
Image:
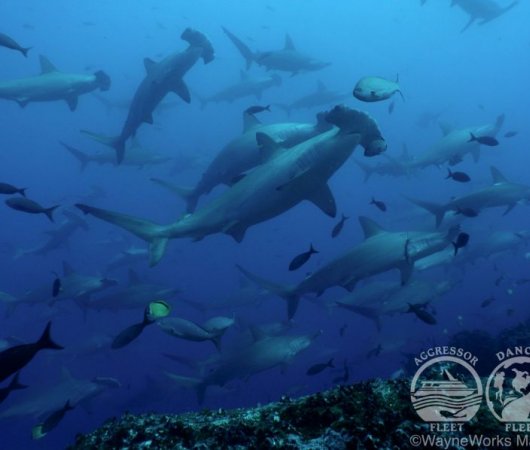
(323, 199)
(157, 248)
(72, 102)
(148, 119)
(22, 102)
(149, 64)
(509, 208)
(469, 23)
(182, 90)
(350, 284)
(475, 153)
(267, 145)
(236, 229)
(406, 269)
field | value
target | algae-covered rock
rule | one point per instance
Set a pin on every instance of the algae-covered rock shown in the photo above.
(371, 415)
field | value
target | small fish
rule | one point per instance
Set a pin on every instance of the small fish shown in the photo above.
(51, 422)
(257, 109)
(461, 241)
(510, 134)
(29, 206)
(522, 281)
(379, 204)
(485, 303)
(342, 330)
(302, 258)
(376, 89)
(468, 212)
(153, 311)
(14, 385)
(421, 314)
(317, 368)
(490, 141)
(56, 287)
(338, 228)
(15, 358)
(6, 188)
(8, 42)
(391, 107)
(499, 280)
(461, 177)
(510, 311)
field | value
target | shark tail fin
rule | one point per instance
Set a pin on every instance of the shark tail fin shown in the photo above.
(242, 47)
(78, 154)
(189, 195)
(144, 229)
(286, 292)
(46, 340)
(116, 142)
(437, 210)
(49, 212)
(25, 50)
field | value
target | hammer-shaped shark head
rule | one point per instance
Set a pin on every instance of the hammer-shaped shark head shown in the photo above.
(197, 39)
(352, 121)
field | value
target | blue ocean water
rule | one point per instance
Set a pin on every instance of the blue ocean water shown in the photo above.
(468, 78)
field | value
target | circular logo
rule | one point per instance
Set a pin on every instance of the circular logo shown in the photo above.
(508, 390)
(446, 389)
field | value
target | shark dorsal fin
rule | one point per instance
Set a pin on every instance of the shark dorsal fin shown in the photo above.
(497, 176)
(266, 144)
(321, 87)
(149, 64)
(133, 277)
(370, 228)
(289, 45)
(243, 74)
(67, 269)
(446, 128)
(46, 66)
(249, 121)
